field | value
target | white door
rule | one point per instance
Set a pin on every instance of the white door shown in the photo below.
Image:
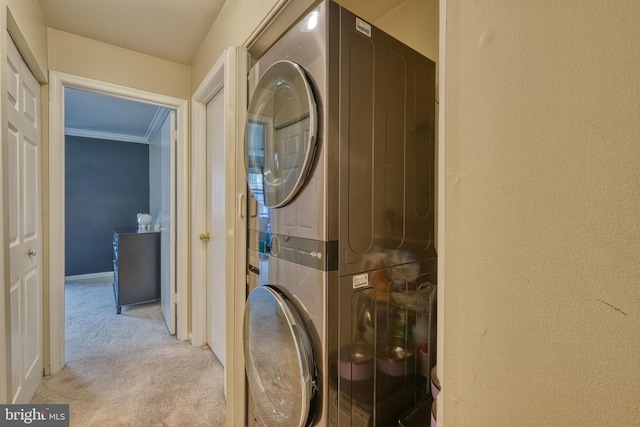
(168, 222)
(229, 74)
(23, 110)
(216, 226)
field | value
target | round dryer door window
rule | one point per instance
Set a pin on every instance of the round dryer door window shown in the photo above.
(281, 134)
(279, 360)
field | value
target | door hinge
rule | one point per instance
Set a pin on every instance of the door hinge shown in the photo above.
(174, 298)
(174, 135)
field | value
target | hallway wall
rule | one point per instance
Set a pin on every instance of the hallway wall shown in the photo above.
(542, 205)
(233, 26)
(72, 54)
(27, 16)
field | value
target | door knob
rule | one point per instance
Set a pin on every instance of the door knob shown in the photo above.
(205, 237)
(31, 252)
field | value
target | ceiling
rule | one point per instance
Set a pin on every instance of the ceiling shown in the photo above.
(93, 115)
(167, 29)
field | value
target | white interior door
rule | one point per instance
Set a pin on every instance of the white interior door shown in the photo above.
(216, 224)
(168, 222)
(23, 110)
(228, 74)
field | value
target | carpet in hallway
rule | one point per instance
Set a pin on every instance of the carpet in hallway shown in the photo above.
(126, 370)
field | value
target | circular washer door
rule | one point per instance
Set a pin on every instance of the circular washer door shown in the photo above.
(281, 134)
(279, 360)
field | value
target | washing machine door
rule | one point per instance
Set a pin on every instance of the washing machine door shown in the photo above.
(281, 134)
(279, 360)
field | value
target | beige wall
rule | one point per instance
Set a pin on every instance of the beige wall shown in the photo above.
(236, 22)
(31, 36)
(542, 204)
(72, 54)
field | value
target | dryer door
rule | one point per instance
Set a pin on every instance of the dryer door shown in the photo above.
(281, 134)
(279, 360)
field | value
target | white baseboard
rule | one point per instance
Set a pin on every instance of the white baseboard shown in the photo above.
(90, 276)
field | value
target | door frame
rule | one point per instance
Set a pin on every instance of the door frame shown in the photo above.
(228, 74)
(57, 83)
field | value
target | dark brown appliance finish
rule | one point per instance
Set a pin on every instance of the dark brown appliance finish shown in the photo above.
(136, 266)
(387, 149)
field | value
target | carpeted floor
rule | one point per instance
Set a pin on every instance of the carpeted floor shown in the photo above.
(126, 370)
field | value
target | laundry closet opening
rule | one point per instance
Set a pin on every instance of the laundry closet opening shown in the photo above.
(341, 150)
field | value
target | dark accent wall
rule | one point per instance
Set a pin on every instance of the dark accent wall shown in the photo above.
(106, 186)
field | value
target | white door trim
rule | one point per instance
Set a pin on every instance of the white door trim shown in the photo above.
(229, 73)
(57, 82)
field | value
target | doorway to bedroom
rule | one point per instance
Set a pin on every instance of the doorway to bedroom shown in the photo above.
(117, 183)
(173, 196)
(112, 173)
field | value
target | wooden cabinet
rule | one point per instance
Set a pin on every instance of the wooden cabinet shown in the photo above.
(136, 266)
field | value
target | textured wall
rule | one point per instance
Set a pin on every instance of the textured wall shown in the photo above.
(106, 185)
(542, 205)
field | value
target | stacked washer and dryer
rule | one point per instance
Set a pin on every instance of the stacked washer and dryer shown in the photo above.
(340, 140)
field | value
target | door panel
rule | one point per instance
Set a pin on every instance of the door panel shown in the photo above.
(15, 219)
(16, 340)
(31, 327)
(167, 236)
(216, 224)
(24, 227)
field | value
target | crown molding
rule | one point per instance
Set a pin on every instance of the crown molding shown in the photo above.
(105, 135)
(154, 126)
(156, 123)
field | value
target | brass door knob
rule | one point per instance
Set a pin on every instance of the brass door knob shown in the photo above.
(205, 237)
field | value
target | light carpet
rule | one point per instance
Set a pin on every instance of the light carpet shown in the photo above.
(126, 370)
